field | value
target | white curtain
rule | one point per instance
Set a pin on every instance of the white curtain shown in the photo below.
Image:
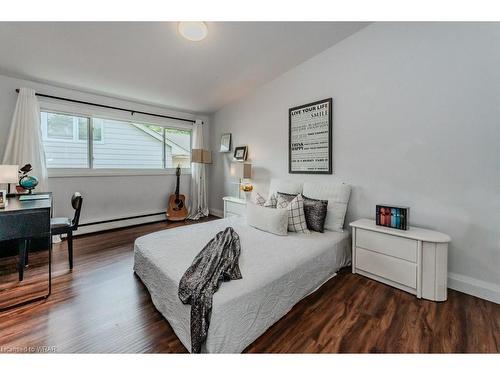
(199, 203)
(24, 145)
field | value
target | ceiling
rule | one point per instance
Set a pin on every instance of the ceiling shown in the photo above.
(149, 62)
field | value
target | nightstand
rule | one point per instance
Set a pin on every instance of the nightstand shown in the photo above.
(414, 260)
(234, 206)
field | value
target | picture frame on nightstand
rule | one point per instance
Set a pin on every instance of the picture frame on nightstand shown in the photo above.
(390, 216)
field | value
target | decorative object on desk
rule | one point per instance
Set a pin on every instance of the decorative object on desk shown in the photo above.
(392, 216)
(20, 190)
(240, 153)
(177, 210)
(310, 138)
(3, 198)
(9, 175)
(199, 155)
(247, 188)
(225, 142)
(33, 197)
(241, 171)
(26, 181)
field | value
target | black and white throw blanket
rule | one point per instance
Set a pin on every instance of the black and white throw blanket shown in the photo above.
(217, 262)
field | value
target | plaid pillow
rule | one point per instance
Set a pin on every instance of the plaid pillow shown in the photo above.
(283, 199)
(259, 199)
(296, 217)
(271, 202)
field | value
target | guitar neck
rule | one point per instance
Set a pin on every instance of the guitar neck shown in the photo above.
(177, 187)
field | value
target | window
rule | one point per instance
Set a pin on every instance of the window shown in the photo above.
(115, 144)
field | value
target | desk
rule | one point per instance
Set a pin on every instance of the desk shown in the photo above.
(22, 220)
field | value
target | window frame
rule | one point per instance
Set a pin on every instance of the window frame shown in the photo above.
(101, 172)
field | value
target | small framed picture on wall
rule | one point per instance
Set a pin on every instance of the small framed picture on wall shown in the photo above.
(225, 142)
(240, 153)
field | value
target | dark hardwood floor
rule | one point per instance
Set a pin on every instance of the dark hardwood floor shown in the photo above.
(102, 307)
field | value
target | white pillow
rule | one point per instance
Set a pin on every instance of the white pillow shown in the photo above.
(338, 198)
(284, 186)
(268, 219)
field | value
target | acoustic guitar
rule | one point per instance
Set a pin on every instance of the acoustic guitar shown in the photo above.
(177, 210)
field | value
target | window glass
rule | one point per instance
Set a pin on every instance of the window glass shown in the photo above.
(59, 126)
(177, 148)
(127, 145)
(62, 149)
(83, 132)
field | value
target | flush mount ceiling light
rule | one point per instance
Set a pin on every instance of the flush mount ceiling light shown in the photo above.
(194, 31)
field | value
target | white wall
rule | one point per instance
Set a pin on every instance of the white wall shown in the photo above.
(416, 121)
(104, 197)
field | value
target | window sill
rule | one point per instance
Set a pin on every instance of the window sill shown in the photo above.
(60, 172)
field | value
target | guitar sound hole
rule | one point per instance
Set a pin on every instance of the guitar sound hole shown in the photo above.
(179, 205)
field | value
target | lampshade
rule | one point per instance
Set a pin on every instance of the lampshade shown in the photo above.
(9, 174)
(241, 170)
(199, 155)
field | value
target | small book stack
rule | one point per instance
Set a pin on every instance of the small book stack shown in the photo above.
(392, 216)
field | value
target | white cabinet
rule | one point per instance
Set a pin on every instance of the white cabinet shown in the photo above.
(414, 260)
(234, 206)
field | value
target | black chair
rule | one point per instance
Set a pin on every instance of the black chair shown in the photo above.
(64, 225)
(58, 225)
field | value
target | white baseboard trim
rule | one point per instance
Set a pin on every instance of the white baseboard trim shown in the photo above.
(216, 212)
(119, 224)
(475, 287)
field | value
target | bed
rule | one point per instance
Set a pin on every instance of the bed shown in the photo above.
(278, 271)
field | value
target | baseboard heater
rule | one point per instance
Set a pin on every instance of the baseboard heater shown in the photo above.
(120, 219)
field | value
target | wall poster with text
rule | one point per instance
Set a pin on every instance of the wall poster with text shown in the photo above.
(310, 138)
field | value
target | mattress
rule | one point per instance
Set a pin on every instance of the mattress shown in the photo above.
(278, 271)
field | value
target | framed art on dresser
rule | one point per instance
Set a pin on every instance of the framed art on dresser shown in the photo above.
(310, 138)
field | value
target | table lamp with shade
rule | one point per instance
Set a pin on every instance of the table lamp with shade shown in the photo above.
(9, 174)
(242, 171)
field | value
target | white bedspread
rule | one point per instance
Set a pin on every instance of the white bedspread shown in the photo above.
(278, 271)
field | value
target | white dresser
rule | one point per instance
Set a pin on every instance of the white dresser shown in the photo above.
(414, 260)
(234, 206)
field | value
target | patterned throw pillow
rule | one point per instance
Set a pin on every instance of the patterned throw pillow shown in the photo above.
(283, 199)
(315, 211)
(259, 200)
(296, 217)
(271, 202)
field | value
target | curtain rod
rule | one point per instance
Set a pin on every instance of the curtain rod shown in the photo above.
(132, 112)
